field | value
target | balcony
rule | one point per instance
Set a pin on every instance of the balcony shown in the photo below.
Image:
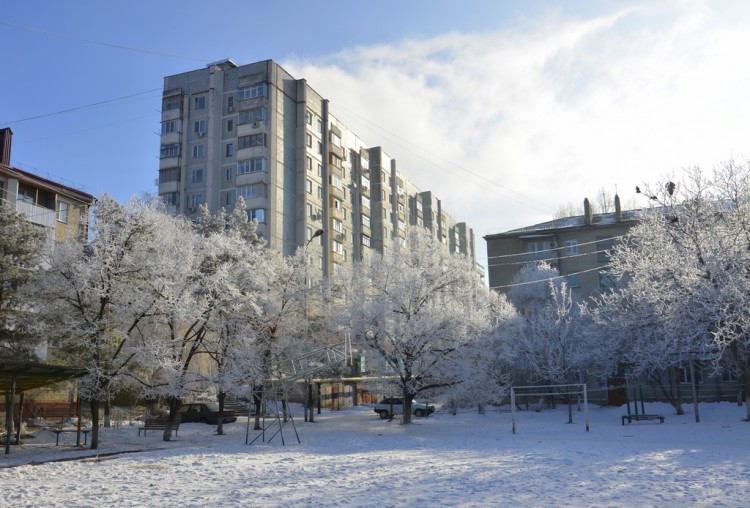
(37, 214)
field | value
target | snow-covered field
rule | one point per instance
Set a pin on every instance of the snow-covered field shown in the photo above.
(352, 458)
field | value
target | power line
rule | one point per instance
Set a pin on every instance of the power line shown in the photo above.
(547, 279)
(101, 43)
(500, 256)
(77, 108)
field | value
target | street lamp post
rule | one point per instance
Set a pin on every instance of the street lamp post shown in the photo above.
(309, 404)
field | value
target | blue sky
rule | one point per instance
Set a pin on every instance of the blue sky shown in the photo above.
(508, 110)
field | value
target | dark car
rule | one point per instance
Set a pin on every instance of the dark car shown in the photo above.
(205, 412)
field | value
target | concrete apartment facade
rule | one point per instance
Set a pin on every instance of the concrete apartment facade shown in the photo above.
(256, 131)
(576, 246)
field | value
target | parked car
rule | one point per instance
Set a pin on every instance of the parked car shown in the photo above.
(390, 406)
(205, 412)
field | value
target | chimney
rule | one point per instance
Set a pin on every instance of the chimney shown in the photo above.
(618, 209)
(588, 217)
(6, 136)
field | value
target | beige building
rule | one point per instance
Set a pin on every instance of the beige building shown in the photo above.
(61, 210)
(576, 246)
(257, 132)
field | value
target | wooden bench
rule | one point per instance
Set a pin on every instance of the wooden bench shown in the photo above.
(158, 424)
(637, 418)
(59, 431)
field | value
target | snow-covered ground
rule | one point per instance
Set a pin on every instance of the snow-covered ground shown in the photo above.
(352, 458)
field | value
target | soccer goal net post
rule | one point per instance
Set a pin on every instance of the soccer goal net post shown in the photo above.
(569, 392)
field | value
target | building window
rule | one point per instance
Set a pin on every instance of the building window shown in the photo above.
(320, 192)
(230, 150)
(228, 199)
(366, 220)
(365, 240)
(174, 102)
(230, 125)
(308, 140)
(199, 151)
(320, 148)
(336, 139)
(575, 280)
(248, 191)
(400, 208)
(685, 377)
(168, 151)
(308, 163)
(365, 182)
(338, 247)
(228, 174)
(308, 117)
(401, 225)
(170, 126)
(336, 204)
(170, 198)
(251, 115)
(169, 175)
(199, 102)
(365, 201)
(254, 165)
(62, 211)
(251, 92)
(571, 247)
(230, 103)
(539, 246)
(200, 127)
(258, 214)
(252, 140)
(308, 210)
(320, 169)
(196, 176)
(336, 182)
(195, 200)
(308, 186)
(320, 125)
(338, 226)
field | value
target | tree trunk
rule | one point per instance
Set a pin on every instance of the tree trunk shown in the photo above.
(676, 402)
(174, 404)
(407, 404)
(258, 399)
(95, 403)
(746, 377)
(107, 413)
(220, 423)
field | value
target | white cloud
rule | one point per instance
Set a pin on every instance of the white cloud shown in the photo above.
(506, 127)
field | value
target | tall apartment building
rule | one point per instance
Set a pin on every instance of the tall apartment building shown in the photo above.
(257, 132)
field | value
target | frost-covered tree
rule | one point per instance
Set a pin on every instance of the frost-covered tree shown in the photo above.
(686, 266)
(418, 308)
(487, 364)
(229, 345)
(91, 298)
(189, 297)
(21, 248)
(277, 322)
(530, 288)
